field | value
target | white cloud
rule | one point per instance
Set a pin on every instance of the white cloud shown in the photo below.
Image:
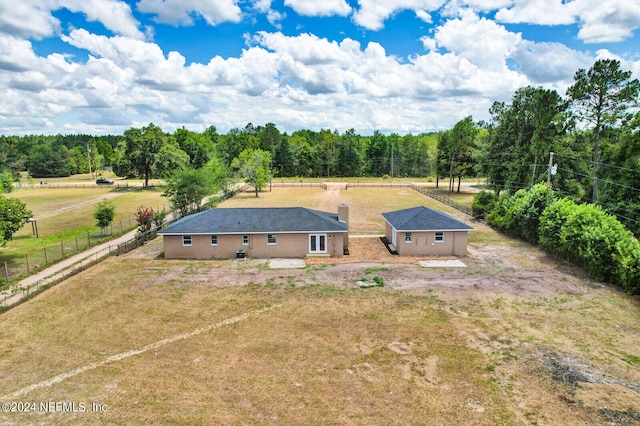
(319, 8)
(274, 17)
(550, 63)
(481, 41)
(424, 16)
(607, 21)
(113, 14)
(542, 12)
(182, 12)
(262, 5)
(599, 21)
(27, 18)
(373, 13)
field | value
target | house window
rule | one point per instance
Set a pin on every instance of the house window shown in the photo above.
(439, 237)
(186, 241)
(214, 240)
(407, 237)
(317, 243)
(245, 240)
(271, 239)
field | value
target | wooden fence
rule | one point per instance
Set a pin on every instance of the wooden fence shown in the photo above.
(443, 199)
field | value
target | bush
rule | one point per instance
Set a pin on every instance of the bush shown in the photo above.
(483, 202)
(519, 214)
(593, 239)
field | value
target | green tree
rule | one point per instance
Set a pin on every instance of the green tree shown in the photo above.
(186, 189)
(600, 97)
(254, 167)
(104, 213)
(6, 181)
(455, 150)
(522, 135)
(348, 155)
(199, 147)
(13, 215)
(283, 160)
(144, 154)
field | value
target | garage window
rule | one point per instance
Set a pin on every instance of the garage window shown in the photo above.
(439, 237)
(214, 240)
(186, 241)
(407, 237)
(271, 239)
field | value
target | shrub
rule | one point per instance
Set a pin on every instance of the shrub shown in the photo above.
(483, 202)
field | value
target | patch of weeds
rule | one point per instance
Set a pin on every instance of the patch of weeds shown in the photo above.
(491, 368)
(631, 359)
(370, 271)
(498, 303)
(377, 282)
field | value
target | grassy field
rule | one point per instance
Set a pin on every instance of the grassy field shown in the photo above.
(366, 204)
(67, 215)
(514, 338)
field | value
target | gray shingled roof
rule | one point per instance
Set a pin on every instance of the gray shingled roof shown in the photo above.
(421, 218)
(256, 220)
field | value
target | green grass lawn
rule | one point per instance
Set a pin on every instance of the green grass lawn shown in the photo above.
(65, 219)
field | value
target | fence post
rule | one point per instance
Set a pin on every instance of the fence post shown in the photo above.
(46, 259)
(62, 246)
(6, 271)
(27, 258)
(88, 239)
(77, 244)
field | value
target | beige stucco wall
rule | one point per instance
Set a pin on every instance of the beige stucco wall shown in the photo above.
(423, 243)
(287, 245)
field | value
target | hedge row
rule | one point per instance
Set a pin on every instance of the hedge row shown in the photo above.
(580, 233)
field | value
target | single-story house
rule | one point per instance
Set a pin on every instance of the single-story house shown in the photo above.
(420, 231)
(225, 233)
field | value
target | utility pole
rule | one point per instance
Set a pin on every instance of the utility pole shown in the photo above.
(392, 160)
(549, 170)
(89, 158)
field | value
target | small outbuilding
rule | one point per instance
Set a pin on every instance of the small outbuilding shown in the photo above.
(226, 233)
(420, 231)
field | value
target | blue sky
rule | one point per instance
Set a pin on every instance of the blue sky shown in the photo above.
(103, 66)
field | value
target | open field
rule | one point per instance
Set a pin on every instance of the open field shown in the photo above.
(67, 215)
(366, 204)
(514, 338)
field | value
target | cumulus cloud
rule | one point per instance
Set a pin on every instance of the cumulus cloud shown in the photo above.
(319, 8)
(607, 21)
(113, 14)
(182, 12)
(28, 18)
(549, 63)
(373, 13)
(599, 21)
(480, 40)
(542, 12)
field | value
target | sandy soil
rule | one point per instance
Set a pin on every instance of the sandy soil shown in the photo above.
(519, 270)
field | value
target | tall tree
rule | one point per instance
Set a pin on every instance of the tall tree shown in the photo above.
(455, 149)
(601, 97)
(522, 135)
(144, 148)
(253, 165)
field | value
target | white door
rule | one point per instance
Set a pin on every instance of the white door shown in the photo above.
(317, 243)
(393, 237)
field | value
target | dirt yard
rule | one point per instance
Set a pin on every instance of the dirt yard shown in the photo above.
(515, 337)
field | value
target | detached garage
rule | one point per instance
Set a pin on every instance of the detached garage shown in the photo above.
(420, 231)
